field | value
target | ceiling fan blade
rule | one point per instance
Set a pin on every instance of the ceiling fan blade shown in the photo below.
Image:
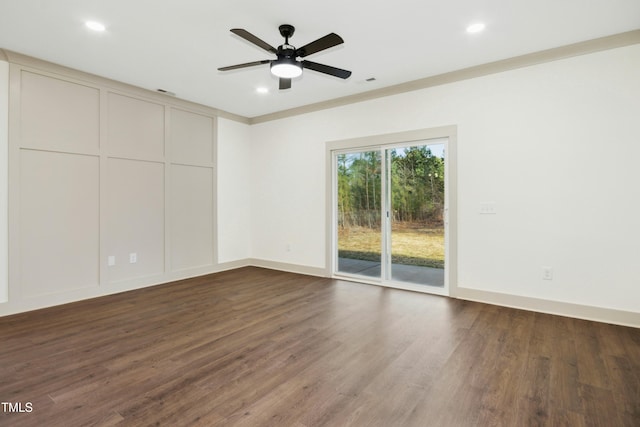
(253, 39)
(326, 69)
(285, 83)
(330, 40)
(248, 64)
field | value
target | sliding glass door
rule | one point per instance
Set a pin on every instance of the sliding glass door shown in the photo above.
(390, 214)
(359, 213)
(416, 213)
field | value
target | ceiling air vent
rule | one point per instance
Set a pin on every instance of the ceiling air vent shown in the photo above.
(166, 92)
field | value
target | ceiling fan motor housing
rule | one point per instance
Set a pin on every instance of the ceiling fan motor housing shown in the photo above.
(286, 51)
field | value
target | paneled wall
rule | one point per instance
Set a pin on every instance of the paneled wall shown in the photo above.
(109, 189)
(58, 147)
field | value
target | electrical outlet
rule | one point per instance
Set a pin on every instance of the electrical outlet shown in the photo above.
(111, 260)
(547, 273)
(133, 258)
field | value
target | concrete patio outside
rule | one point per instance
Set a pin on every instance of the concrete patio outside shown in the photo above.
(399, 272)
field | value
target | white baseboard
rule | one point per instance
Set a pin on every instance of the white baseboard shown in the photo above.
(291, 268)
(21, 305)
(232, 265)
(598, 314)
(578, 311)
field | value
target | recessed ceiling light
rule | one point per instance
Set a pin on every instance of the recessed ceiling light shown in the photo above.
(475, 28)
(95, 26)
(262, 90)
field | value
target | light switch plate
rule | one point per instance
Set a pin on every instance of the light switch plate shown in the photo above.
(488, 208)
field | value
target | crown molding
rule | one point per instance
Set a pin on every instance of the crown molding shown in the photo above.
(535, 58)
(576, 49)
(42, 65)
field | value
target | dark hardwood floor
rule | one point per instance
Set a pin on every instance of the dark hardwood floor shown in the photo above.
(266, 348)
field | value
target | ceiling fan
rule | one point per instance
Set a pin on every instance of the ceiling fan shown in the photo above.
(287, 65)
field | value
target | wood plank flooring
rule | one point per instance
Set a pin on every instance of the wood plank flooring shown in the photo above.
(256, 347)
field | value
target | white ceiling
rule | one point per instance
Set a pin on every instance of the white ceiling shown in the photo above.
(178, 45)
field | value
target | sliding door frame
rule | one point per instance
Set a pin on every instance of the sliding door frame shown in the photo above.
(377, 142)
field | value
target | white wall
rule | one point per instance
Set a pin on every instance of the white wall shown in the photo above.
(555, 146)
(288, 191)
(4, 151)
(234, 191)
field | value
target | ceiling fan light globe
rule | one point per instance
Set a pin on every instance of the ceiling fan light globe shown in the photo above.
(286, 69)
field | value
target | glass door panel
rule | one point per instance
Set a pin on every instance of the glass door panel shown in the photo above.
(389, 212)
(359, 207)
(416, 200)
